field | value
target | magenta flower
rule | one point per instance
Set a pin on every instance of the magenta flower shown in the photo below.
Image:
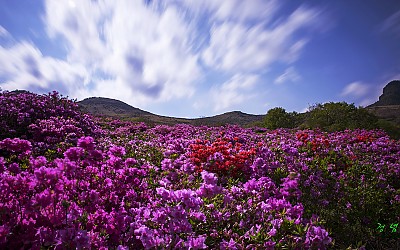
(317, 236)
(86, 143)
(196, 242)
(225, 245)
(74, 153)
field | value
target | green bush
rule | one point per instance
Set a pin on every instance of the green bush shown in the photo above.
(335, 116)
(390, 128)
(279, 118)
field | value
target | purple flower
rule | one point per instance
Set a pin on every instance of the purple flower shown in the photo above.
(231, 245)
(93, 195)
(130, 162)
(117, 151)
(164, 193)
(199, 216)
(272, 232)
(217, 157)
(207, 190)
(86, 143)
(317, 236)
(14, 168)
(269, 245)
(44, 198)
(276, 223)
(45, 236)
(166, 164)
(82, 240)
(146, 236)
(196, 242)
(16, 145)
(74, 153)
(250, 186)
(209, 178)
(160, 216)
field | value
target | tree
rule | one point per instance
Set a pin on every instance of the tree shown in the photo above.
(335, 116)
(279, 118)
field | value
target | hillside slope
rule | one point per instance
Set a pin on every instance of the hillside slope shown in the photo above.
(100, 106)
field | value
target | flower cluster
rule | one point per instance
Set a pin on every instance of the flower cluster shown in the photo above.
(66, 184)
(48, 117)
(223, 156)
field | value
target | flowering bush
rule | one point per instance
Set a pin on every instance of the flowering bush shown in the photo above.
(221, 157)
(30, 115)
(66, 184)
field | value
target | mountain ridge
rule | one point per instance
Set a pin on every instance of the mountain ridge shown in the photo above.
(102, 106)
(387, 108)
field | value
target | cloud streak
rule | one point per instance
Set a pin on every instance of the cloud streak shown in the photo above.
(392, 24)
(237, 46)
(290, 75)
(3, 32)
(360, 92)
(157, 51)
(232, 92)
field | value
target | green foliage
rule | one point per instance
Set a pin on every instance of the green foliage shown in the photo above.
(390, 128)
(332, 116)
(279, 118)
(335, 116)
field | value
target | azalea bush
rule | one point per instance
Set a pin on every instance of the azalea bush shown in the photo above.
(70, 181)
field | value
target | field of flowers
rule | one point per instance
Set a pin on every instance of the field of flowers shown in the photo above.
(69, 181)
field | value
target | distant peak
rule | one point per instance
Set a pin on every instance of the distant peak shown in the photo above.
(391, 94)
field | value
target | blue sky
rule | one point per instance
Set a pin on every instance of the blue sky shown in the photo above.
(190, 58)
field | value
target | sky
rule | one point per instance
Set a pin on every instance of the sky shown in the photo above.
(192, 58)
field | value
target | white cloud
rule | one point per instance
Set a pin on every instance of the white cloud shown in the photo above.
(233, 10)
(155, 52)
(237, 46)
(234, 91)
(124, 47)
(392, 24)
(355, 89)
(27, 68)
(290, 75)
(3, 32)
(361, 93)
(294, 51)
(79, 26)
(155, 56)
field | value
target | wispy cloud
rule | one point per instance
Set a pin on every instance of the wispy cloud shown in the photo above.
(359, 92)
(237, 46)
(290, 75)
(392, 24)
(27, 68)
(146, 52)
(357, 89)
(152, 60)
(3, 32)
(234, 91)
(234, 10)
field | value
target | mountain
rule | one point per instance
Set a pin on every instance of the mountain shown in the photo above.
(234, 117)
(100, 106)
(390, 96)
(388, 106)
(110, 107)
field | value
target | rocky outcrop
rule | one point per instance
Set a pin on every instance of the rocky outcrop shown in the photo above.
(390, 96)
